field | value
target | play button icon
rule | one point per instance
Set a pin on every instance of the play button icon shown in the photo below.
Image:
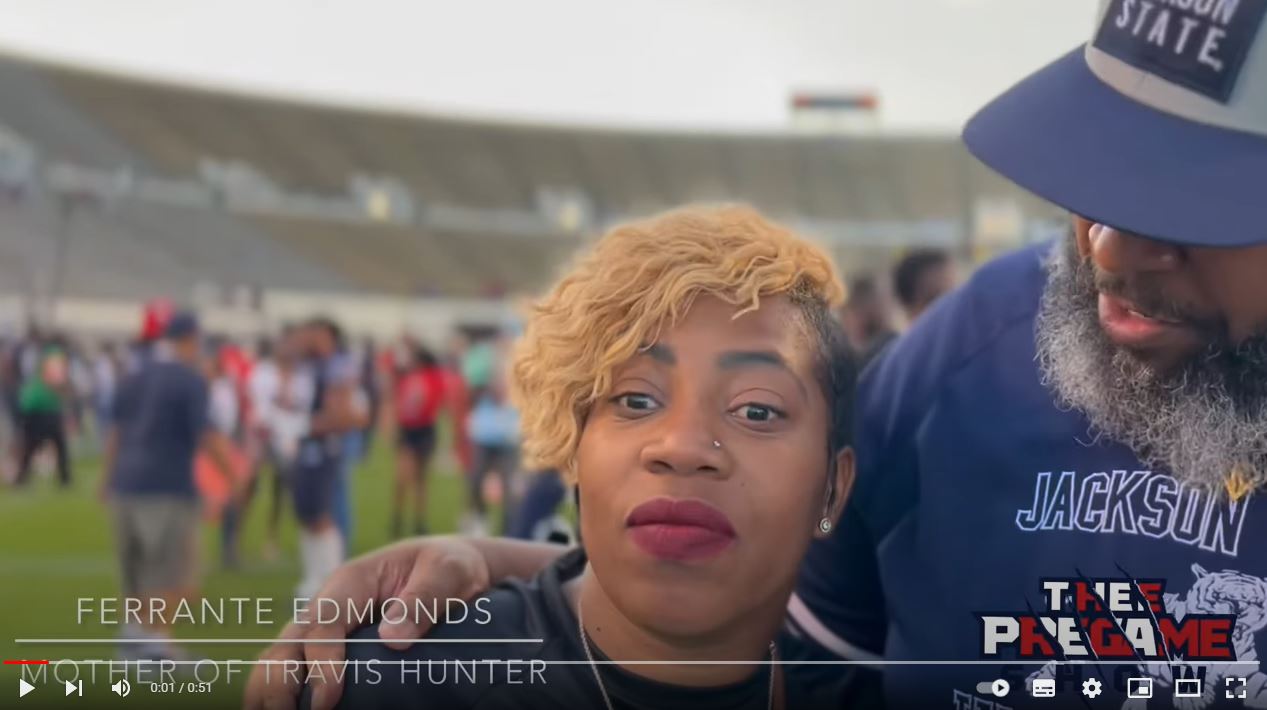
(24, 688)
(1000, 688)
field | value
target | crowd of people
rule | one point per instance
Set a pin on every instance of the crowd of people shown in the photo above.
(192, 427)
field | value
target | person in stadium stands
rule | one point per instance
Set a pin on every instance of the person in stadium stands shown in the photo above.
(160, 423)
(1086, 409)
(920, 278)
(689, 378)
(417, 398)
(867, 318)
(42, 396)
(336, 408)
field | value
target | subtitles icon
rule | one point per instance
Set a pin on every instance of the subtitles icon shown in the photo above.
(1043, 688)
(1139, 687)
(122, 688)
(1187, 687)
(1234, 688)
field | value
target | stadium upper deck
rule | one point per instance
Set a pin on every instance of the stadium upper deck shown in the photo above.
(159, 129)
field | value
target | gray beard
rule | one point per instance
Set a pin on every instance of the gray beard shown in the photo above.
(1201, 421)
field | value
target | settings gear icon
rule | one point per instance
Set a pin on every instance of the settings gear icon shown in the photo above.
(1091, 687)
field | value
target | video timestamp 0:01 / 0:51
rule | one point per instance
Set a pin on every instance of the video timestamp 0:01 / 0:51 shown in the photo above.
(182, 687)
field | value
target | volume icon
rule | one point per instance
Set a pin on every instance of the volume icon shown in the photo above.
(122, 688)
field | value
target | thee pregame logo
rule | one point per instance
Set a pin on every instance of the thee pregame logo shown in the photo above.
(1108, 619)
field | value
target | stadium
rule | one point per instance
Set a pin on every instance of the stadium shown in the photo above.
(120, 190)
(259, 211)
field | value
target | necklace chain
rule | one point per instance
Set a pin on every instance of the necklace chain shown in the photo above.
(598, 678)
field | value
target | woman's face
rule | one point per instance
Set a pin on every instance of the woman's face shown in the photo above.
(685, 536)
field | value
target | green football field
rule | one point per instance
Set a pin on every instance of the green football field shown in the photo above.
(57, 546)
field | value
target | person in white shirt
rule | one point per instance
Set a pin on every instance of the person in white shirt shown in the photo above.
(280, 395)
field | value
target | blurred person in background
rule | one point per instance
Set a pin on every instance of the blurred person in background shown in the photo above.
(373, 385)
(224, 416)
(493, 426)
(161, 421)
(9, 425)
(533, 516)
(355, 441)
(417, 399)
(920, 278)
(458, 402)
(279, 393)
(867, 318)
(45, 371)
(154, 317)
(106, 369)
(336, 408)
(78, 399)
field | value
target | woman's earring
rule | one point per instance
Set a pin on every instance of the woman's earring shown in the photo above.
(825, 525)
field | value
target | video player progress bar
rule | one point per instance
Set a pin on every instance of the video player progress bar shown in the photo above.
(842, 662)
(264, 641)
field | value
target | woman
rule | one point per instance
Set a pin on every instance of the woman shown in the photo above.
(688, 377)
(417, 397)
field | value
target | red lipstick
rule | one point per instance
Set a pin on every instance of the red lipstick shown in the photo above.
(680, 530)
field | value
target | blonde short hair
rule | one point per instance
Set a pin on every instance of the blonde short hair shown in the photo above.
(638, 279)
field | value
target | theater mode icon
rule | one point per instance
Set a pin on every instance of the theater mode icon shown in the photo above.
(1043, 688)
(1187, 687)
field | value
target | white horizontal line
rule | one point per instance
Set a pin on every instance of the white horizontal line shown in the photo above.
(670, 663)
(268, 641)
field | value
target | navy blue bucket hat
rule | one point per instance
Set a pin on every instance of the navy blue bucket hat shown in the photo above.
(1157, 126)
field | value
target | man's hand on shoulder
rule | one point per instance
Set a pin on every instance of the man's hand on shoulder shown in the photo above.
(422, 569)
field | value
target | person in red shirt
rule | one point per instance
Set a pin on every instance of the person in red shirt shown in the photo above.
(417, 398)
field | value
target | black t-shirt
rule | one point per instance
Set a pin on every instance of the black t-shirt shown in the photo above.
(440, 676)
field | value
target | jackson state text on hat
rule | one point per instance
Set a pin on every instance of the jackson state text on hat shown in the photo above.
(1198, 44)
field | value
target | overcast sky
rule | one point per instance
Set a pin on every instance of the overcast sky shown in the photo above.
(728, 64)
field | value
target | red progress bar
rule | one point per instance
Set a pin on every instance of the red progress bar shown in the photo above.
(25, 663)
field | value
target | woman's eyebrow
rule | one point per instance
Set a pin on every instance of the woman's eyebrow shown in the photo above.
(733, 359)
(745, 358)
(659, 353)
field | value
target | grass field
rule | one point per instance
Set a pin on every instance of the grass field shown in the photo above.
(57, 546)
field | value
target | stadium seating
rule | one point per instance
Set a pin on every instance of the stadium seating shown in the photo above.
(172, 131)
